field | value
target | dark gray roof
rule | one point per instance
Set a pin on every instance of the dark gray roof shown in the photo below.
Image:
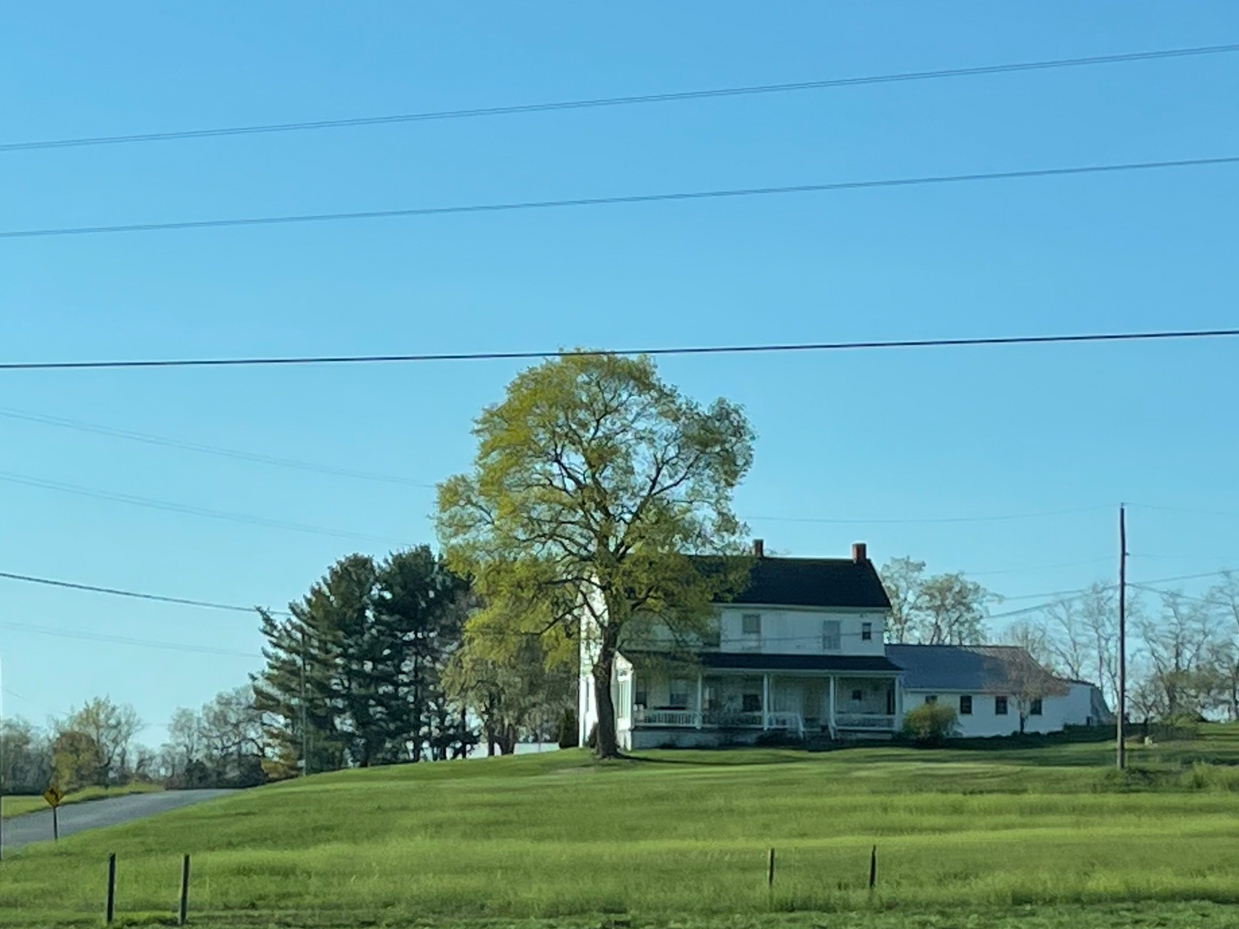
(755, 661)
(824, 582)
(979, 668)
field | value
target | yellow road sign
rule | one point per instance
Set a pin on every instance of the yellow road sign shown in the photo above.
(53, 795)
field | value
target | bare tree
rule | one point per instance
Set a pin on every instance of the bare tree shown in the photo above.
(1034, 638)
(1181, 645)
(952, 610)
(233, 735)
(1022, 678)
(112, 727)
(1098, 612)
(1068, 643)
(1224, 599)
(902, 578)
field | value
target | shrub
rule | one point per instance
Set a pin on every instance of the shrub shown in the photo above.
(778, 738)
(929, 723)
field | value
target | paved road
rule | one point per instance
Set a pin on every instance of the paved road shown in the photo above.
(74, 817)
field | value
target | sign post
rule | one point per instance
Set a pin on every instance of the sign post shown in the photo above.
(53, 795)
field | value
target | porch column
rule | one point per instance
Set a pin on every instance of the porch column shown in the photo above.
(765, 701)
(898, 704)
(831, 715)
(701, 710)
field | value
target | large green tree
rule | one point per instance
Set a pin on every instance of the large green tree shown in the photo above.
(594, 484)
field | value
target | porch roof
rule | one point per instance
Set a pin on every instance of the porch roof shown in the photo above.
(756, 661)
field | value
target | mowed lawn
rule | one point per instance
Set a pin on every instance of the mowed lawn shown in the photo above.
(964, 837)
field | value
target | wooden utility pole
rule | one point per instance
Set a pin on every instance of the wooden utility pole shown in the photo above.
(1121, 696)
(305, 757)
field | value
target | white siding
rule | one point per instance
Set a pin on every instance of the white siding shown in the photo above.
(790, 631)
(984, 721)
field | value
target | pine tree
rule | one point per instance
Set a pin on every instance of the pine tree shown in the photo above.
(354, 676)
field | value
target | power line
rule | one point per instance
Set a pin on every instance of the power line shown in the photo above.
(514, 206)
(137, 595)
(928, 520)
(1183, 509)
(127, 640)
(205, 449)
(149, 503)
(1044, 567)
(743, 349)
(633, 100)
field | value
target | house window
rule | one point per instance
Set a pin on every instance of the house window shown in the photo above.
(640, 697)
(1000, 706)
(678, 698)
(750, 624)
(751, 703)
(858, 695)
(866, 632)
(965, 705)
(1034, 708)
(931, 699)
(831, 636)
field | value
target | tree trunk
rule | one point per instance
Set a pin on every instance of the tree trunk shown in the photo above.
(608, 741)
(507, 740)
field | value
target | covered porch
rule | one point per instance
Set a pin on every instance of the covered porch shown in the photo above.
(802, 703)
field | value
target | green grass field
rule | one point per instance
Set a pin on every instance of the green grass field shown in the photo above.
(18, 805)
(1036, 837)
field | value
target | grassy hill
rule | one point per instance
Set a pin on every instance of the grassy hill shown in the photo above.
(965, 836)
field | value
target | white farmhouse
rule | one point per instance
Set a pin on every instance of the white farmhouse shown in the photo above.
(801, 652)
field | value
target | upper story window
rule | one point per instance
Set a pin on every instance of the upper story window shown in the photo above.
(931, 699)
(866, 632)
(832, 636)
(750, 631)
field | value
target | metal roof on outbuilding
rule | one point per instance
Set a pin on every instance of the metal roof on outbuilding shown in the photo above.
(977, 668)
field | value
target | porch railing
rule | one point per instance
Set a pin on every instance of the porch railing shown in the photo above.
(868, 721)
(686, 718)
(791, 722)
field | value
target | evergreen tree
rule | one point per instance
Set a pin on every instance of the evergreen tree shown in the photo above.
(354, 676)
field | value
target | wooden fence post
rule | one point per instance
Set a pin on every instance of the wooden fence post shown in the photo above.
(182, 912)
(873, 867)
(111, 905)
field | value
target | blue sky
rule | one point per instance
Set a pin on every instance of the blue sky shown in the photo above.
(879, 442)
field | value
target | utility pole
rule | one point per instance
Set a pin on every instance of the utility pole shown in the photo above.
(305, 760)
(1121, 696)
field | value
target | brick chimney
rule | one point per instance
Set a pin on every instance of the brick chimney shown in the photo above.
(759, 548)
(860, 553)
